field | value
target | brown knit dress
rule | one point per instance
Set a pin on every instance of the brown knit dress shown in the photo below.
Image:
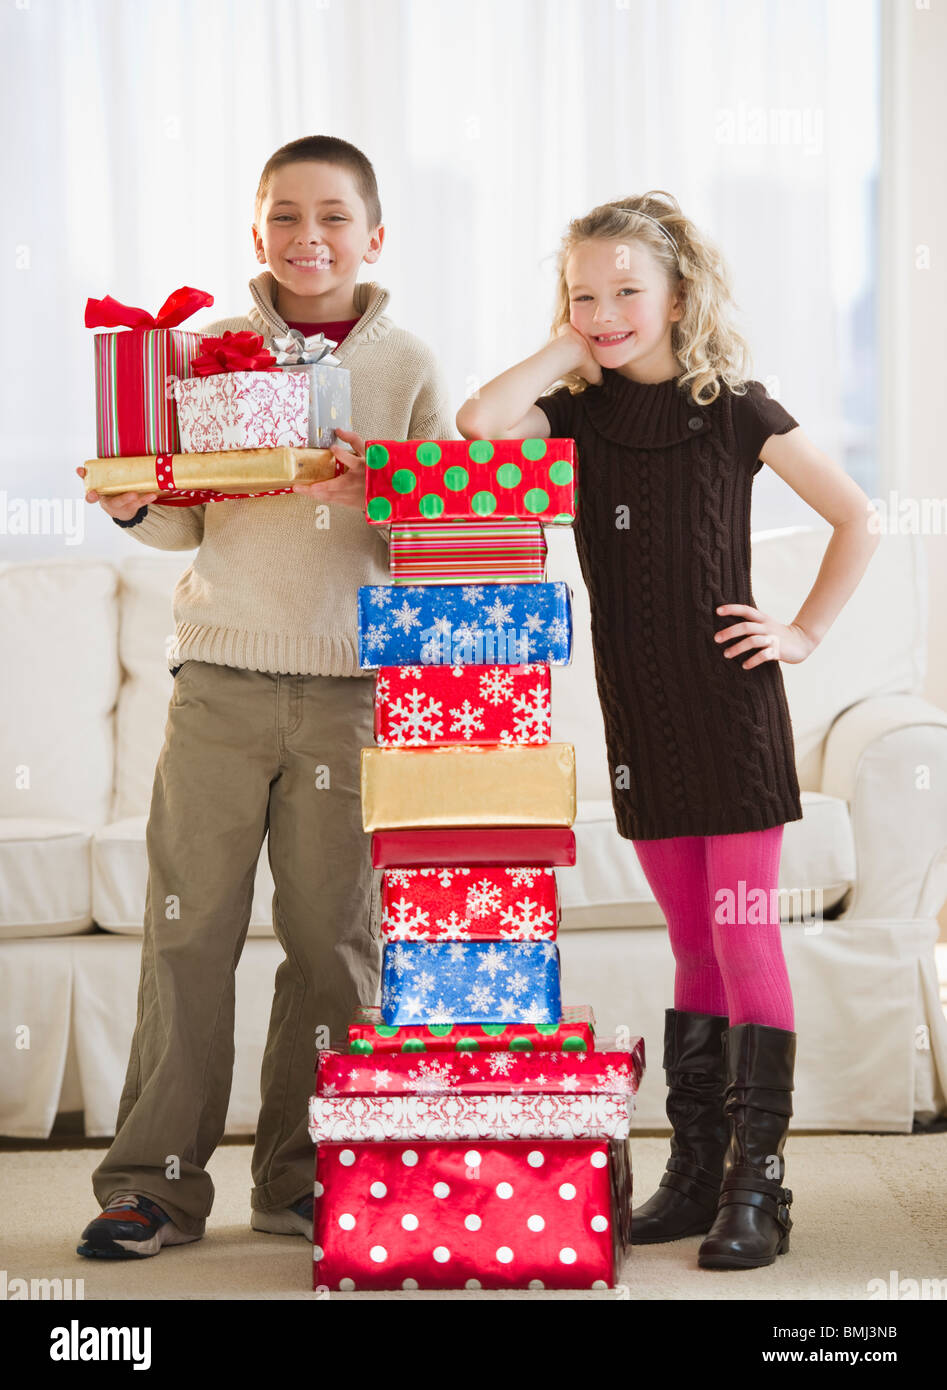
(696, 744)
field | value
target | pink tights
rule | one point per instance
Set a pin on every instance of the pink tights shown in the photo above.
(726, 941)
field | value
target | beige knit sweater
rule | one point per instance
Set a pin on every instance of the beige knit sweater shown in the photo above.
(269, 589)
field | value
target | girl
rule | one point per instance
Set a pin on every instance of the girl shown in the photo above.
(669, 434)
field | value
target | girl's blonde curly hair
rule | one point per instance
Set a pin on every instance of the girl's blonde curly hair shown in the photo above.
(703, 340)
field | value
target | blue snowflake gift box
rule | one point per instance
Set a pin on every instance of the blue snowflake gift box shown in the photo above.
(470, 982)
(464, 624)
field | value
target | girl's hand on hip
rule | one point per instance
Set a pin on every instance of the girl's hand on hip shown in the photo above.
(768, 639)
(349, 487)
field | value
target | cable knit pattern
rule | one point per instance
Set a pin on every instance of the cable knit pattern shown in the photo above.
(708, 746)
(269, 588)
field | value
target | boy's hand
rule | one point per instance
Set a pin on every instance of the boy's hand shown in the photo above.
(124, 506)
(349, 487)
(585, 363)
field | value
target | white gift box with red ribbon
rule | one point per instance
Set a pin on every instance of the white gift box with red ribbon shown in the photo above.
(242, 410)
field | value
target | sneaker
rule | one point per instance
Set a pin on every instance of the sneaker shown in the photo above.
(295, 1220)
(131, 1227)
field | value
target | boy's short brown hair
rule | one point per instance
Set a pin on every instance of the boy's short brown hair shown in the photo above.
(329, 150)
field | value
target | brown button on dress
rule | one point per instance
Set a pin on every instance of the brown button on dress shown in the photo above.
(696, 744)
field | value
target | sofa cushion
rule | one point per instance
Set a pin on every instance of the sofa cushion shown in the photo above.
(45, 881)
(60, 683)
(875, 646)
(607, 886)
(120, 880)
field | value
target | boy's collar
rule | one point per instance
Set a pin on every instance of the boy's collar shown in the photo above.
(370, 302)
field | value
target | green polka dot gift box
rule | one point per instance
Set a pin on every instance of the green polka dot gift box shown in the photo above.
(470, 480)
(574, 1033)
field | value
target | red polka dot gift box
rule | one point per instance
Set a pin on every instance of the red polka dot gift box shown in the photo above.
(493, 1214)
(470, 480)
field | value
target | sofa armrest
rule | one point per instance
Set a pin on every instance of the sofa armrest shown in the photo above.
(887, 757)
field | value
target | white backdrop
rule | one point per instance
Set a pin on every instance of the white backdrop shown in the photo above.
(135, 132)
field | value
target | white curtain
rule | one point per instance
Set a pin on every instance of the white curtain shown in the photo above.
(135, 132)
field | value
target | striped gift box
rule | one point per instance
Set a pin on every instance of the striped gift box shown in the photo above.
(497, 552)
(133, 413)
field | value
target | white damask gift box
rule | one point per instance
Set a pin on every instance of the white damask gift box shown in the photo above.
(242, 410)
(238, 398)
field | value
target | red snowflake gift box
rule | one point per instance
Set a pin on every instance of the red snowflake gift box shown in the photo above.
(348, 1073)
(133, 414)
(367, 1033)
(495, 1215)
(470, 480)
(238, 398)
(417, 706)
(433, 845)
(461, 903)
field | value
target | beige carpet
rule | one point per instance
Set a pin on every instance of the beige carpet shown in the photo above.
(864, 1206)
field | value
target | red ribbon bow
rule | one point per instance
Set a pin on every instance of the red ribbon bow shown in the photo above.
(108, 313)
(234, 352)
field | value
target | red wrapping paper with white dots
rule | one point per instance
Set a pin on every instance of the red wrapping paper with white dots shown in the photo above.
(425, 706)
(470, 480)
(469, 903)
(495, 1215)
(604, 1070)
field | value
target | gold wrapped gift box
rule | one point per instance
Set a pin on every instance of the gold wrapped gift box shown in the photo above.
(480, 786)
(232, 470)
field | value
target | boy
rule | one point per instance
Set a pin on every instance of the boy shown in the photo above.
(267, 718)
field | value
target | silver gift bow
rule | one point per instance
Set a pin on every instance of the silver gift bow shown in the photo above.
(294, 349)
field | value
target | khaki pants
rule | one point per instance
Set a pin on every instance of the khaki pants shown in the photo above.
(245, 752)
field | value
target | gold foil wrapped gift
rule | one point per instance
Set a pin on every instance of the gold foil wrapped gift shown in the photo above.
(480, 786)
(233, 470)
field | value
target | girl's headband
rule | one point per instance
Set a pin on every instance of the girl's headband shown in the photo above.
(660, 225)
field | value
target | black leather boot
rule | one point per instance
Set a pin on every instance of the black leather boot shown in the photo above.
(752, 1224)
(686, 1200)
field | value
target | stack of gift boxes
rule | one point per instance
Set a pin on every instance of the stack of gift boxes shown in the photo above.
(469, 1134)
(198, 418)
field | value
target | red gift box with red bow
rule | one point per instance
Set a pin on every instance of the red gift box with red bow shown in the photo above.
(133, 415)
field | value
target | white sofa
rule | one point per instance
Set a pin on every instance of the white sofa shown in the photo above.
(863, 874)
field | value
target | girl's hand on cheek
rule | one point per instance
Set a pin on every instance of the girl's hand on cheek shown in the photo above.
(348, 488)
(585, 362)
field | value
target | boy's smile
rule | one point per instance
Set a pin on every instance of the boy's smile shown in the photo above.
(313, 235)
